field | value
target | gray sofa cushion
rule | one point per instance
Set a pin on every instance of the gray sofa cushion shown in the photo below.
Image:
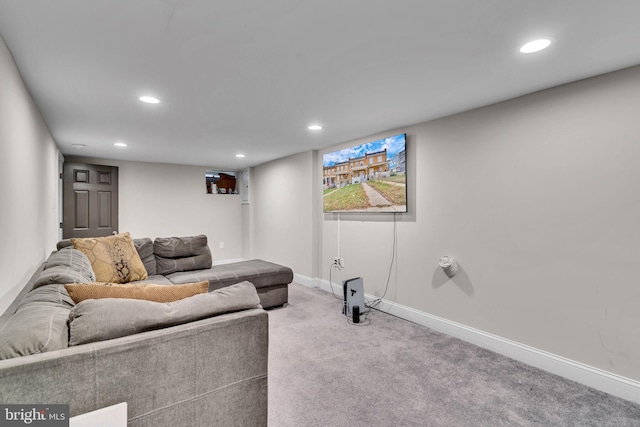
(52, 295)
(181, 254)
(61, 275)
(180, 247)
(98, 320)
(73, 258)
(259, 272)
(38, 325)
(68, 265)
(145, 250)
(197, 262)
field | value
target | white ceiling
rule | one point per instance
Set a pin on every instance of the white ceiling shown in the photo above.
(249, 75)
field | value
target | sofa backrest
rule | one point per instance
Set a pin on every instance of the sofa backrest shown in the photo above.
(218, 365)
(144, 247)
(168, 255)
(39, 324)
(175, 254)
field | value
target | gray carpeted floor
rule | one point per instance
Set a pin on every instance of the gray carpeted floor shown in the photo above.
(324, 371)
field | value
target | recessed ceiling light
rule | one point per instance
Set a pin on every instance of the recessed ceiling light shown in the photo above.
(120, 144)
(535, 46)
(149, 99)
(240, 156)
(315, 127)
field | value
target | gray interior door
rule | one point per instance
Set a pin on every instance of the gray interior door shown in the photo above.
(90, 200)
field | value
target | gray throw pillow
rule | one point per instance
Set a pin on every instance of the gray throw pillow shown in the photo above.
(144, 247)
(180, 247)
(166, 266)
(103, 319)
(175, 254)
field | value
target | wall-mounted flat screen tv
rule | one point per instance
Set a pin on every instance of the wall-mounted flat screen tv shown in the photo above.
(369, 177)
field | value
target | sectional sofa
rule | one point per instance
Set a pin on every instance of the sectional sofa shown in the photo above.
(177, 260)
(197, 361)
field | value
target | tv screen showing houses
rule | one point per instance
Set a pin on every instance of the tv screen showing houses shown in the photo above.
(366, 178)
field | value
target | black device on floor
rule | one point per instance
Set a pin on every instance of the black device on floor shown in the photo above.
(353, 304)
(356, 314)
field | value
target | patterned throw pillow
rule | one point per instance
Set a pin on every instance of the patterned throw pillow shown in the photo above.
(113, 258)
(147, 291)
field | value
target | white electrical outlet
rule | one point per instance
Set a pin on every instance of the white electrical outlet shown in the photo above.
(221, 245)
(338, 262)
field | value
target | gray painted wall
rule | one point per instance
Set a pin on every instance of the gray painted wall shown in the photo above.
(162, 200)
(282, 207)
(29, 177)
(537, 199)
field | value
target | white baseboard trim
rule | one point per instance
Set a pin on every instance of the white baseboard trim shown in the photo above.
(307, 281)
(599, 379)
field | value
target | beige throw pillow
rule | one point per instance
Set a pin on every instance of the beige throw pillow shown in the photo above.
(113, 258)
(144, 291)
